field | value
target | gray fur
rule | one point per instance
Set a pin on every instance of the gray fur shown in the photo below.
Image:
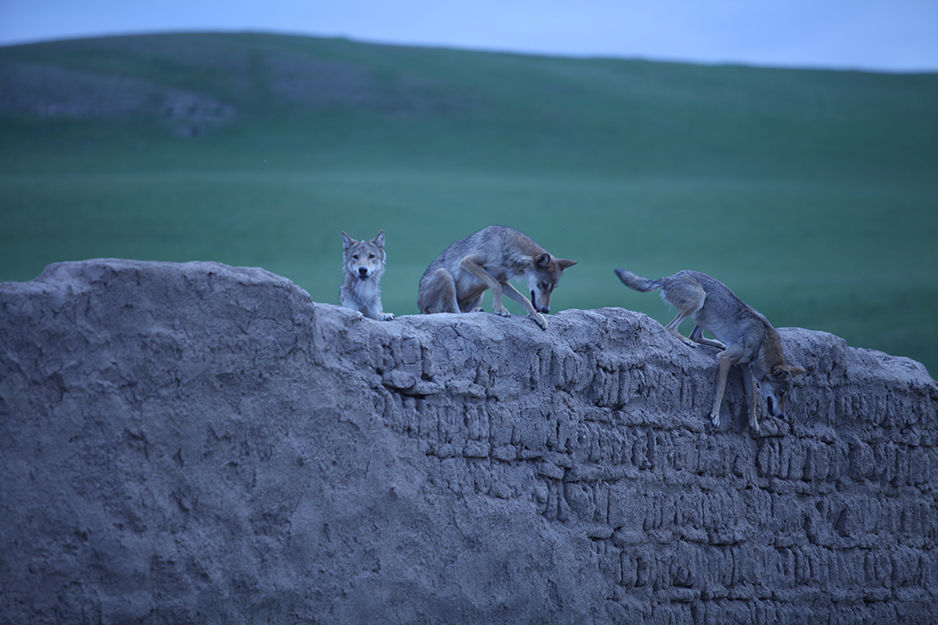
(489, 259)
(745, 336)
(364, 263)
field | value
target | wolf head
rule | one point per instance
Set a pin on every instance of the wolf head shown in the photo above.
(364, 259)
(776, 386)
(543, 276)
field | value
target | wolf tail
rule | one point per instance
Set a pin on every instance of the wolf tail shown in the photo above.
(638, 283)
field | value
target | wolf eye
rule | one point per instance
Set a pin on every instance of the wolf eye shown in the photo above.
(354, 256)
(371, 256)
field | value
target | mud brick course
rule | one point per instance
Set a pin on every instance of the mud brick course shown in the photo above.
(201, 443)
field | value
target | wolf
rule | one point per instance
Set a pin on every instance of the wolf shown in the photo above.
(745, 336)
(364, 266)
(488, 259)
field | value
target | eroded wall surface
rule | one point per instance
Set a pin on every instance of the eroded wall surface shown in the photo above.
(200, 443)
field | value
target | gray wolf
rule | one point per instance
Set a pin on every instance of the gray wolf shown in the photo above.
(745, 336)
(488, 259)
(364, 266)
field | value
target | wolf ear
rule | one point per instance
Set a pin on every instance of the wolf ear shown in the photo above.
(379, 239)
(542, 260)
(564, 263)
(795, 370)
(347, 241)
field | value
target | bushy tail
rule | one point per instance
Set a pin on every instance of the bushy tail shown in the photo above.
(638, 283)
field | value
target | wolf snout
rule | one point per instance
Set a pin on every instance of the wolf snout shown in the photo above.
(542, 309)
(362, 272)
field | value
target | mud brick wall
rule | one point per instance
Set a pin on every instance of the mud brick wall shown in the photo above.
(201, 443)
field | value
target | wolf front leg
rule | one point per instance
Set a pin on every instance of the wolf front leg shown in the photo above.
(727, 358)
(375, 311)
(474, 264)
(516, 295)
(750, 387)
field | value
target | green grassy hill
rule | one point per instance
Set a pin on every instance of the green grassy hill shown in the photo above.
(811, 193)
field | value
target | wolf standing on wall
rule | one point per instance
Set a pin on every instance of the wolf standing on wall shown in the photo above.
(364, 266)
(488, 259)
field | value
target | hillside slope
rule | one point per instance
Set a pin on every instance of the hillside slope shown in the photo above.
(811, 193)
(600, 113)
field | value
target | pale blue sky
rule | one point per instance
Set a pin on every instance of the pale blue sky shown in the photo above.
(895, 35)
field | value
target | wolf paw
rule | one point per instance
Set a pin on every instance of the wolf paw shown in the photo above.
(501, 311)
(538, 318)
(715, 419)
(682, 338)
(387, 316)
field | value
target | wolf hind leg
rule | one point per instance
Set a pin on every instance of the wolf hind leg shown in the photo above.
(673, 325)
(473, 306)
(697, 336)
(688, 299)
(438, 293)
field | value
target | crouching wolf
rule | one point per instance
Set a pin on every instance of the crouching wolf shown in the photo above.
(488, 259)
(750, 340)
(364, 266)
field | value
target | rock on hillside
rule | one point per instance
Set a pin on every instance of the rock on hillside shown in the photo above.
(198, 82)
(201, 443)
